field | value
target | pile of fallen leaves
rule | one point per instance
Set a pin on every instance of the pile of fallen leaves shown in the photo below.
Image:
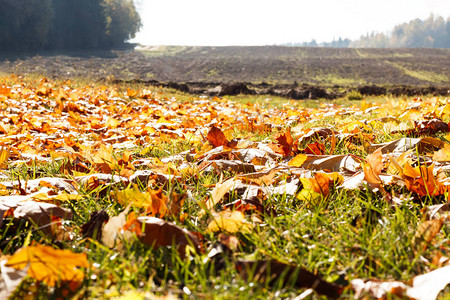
(101, 140)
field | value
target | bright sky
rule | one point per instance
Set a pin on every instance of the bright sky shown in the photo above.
(262, 22)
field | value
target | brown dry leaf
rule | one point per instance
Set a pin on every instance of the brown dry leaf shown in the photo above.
(262, 178)
(443, 154)
(439, 211)
(332, 163)
(50, 265)
(93, 228)
(377, 289)
(271, 272)
(425, 144)
(429, 285)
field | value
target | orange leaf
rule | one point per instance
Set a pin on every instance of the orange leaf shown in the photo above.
(372, 168)
(421, 180)
(315, 148)
(216, 137)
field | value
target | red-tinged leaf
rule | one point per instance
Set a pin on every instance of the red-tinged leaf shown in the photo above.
(273, 272)
(284, 145)
(315, 148)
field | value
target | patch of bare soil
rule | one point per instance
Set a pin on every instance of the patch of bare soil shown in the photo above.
(293, 72)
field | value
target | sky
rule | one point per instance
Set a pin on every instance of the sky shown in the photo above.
(261, 22)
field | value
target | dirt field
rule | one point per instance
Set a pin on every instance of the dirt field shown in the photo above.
(294, 72)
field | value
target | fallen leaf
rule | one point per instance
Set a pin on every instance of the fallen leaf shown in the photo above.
(216, 137)
(229, 221)
(113, 231)
(426, 232)
(219, 192)
(298, 160)
(50, 265)
(93, 228)
(421, 180)
(39, 213)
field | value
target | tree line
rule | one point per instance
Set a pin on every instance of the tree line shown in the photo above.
(30, 25)
(433, 32)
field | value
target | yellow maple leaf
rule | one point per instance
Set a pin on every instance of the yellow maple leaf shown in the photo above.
(4, 155)
(298, 160)
(229, 221)
(50, 265)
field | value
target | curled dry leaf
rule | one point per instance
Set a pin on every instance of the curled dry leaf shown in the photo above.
(332, 163)
(372, 170)
(50, 265)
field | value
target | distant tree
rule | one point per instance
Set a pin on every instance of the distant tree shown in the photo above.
(122, 20)
(24, 24)
(30, 25)
(78, 24)
(432, 32)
